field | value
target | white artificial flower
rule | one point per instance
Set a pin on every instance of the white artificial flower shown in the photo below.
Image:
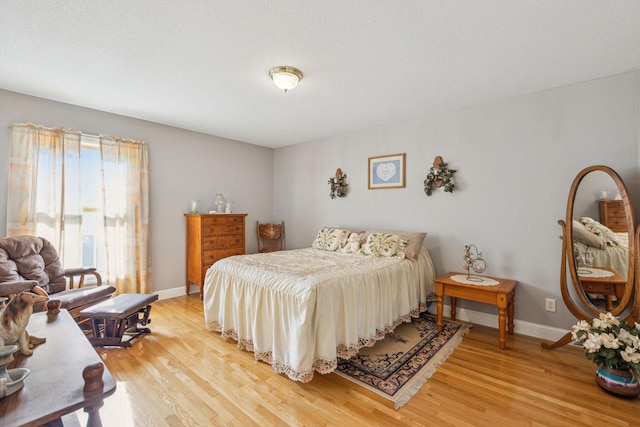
(630, 355)
(605, 320)
(628, 339)
(609, 341)
(598, 323)
(582, 325)
(592, 344)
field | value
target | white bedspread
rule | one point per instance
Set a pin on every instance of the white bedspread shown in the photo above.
(616, 257)
(300, 310)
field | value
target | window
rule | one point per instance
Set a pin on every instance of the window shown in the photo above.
(88, 196)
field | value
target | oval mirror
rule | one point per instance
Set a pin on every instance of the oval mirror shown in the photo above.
(598, 244)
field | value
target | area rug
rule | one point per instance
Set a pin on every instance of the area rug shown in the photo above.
(400, 364)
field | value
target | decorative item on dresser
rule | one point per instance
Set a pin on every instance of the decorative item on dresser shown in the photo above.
(612, 215)
(210, 238)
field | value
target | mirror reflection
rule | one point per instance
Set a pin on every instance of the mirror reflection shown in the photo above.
(600, 241)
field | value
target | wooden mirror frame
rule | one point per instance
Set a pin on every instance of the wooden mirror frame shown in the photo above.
(585, 309)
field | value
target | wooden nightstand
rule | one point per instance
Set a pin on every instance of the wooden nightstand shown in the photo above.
(606, 286)
(500, 295)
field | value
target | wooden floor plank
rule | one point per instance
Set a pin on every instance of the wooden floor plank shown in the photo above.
(184, 374)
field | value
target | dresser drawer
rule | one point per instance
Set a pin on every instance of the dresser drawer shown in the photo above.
(615, 213)
(223, 230)
(617, 224)
(215, 220)
(222, 242)
(211, 257)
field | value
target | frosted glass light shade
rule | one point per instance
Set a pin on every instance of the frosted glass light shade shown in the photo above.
(285, 78)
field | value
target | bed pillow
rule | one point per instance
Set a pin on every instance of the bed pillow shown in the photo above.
(330, 239)
(349, 231)
(414, 241)
(384, 245)
(582, 235)
(600, 230)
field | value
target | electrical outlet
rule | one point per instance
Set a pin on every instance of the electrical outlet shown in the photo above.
(550, 304)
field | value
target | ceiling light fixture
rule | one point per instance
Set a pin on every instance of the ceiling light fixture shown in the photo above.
(285, 78)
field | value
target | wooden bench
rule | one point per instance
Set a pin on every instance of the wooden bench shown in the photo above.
(111, 320)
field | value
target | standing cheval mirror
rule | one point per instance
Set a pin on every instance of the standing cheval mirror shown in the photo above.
(598, 247)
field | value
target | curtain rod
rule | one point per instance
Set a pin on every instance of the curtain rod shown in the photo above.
(89, 135)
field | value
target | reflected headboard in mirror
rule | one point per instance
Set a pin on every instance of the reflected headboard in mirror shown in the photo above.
(600, 261)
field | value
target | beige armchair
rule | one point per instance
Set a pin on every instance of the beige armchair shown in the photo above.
(28, 261)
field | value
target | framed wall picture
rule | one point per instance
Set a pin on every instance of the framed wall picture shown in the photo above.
(387, 171)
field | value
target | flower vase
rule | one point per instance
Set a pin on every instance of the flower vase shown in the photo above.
(617, 381)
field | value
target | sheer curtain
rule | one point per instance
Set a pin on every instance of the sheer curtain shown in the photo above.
(51, 178)
(125, 172)
(44, 187)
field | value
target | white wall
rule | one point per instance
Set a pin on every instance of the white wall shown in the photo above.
(183, 165)
(516, 159)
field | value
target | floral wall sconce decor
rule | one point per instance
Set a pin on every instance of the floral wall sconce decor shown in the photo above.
(338, 184)
(439, 176)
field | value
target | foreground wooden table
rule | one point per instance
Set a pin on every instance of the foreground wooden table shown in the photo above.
(55, 384)
(500, 295)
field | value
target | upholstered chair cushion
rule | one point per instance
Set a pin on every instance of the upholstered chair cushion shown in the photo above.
(31, 258)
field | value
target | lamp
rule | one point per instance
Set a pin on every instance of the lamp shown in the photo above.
(285, 78)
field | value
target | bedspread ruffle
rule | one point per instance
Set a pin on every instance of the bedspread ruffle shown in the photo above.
(322, 366)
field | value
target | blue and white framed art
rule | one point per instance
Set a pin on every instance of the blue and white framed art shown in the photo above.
(387, 171)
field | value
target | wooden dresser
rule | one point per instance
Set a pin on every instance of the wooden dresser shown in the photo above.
(210, 238)
(613, 216)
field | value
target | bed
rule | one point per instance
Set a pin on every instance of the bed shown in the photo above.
(300, 310)
(605, 247)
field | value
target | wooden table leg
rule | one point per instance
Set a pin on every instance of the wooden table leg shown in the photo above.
(440, 308)
(510, 312)
(502, 320)
(608, 304)
(453, 308)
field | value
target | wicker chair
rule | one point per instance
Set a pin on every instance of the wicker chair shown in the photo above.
(270, 237)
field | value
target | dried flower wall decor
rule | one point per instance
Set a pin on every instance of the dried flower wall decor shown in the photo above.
(338, 184)
(439, 176)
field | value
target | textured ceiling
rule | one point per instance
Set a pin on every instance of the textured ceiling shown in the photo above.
(203, 64)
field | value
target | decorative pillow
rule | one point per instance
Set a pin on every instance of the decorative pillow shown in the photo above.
(414, 241)
(384, 245)
(330, 239)
(582, 235)
(600, 230)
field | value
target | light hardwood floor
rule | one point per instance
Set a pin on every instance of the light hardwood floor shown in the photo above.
(184, 375)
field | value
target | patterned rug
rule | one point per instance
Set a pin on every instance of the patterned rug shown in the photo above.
(400, 364)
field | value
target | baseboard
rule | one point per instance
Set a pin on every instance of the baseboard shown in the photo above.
(523, 327)
(170, 293)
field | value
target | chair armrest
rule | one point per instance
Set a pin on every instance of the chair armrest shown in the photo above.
(17, 286)
(82, 272)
